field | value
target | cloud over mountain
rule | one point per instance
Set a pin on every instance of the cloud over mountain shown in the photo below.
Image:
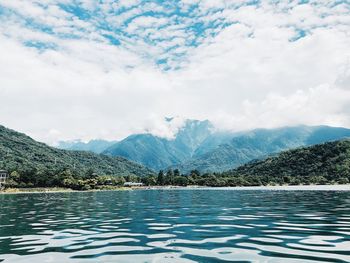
(83, 69)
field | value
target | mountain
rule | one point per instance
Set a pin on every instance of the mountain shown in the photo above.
(322, 163)
(198, 146)
(20, 152)
(195, 146)
(149, 150)
(192, 135)
(213, 141)
(96, 146)
(259, 143)
(160, 153)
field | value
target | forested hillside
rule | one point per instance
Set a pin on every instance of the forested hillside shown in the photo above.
(21, 153)
(327, 163)
(260, 143)
(32, 163)
(159, 153)
(319, 164)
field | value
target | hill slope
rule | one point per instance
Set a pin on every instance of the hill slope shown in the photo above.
(159, 153)
(260, 143)
(321, 163)
(148, 150)
(19, 152)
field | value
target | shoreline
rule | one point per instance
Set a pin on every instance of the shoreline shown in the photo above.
(38, 190)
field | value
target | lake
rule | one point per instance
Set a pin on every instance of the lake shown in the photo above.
(177, 225)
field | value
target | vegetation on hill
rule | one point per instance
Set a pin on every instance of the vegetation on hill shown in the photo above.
(318, 164)
(198, 146)
(327, 163)
(34, 164)
(258, 144)
(159, 153)
(149, 150)
(37, 164)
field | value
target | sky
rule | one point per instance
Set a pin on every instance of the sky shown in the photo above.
(73, 69)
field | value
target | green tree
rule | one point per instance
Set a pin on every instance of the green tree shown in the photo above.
(90, 174)
(119, 180)
(15, 176)
(180, 180)
(169, 178)
(13, 179)
(176, 173)
(149, 180)
(195, 174)
(160, 178)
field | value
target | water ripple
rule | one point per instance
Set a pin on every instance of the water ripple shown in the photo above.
(225, 225)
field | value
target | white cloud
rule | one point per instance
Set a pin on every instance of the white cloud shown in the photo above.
(319, 105)
(242, 75)
(162, 127)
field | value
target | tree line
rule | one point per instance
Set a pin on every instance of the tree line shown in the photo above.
(67, 179)
(327, 163)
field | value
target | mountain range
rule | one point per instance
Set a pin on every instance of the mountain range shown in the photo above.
(260, 143)
(160, 153)
(316, 163)
(20, 152)
(199, 146)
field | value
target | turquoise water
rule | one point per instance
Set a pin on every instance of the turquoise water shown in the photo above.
(188, 225)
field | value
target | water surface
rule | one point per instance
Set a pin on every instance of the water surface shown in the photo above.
(181, 225)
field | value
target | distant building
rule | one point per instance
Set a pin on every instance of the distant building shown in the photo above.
(3, 177)
(132, 184)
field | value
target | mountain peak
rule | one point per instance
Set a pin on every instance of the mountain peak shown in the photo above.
(192, 134)
(160, 152)
(168, 119)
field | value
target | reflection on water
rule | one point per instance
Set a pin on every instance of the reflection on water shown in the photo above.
(198, 225)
